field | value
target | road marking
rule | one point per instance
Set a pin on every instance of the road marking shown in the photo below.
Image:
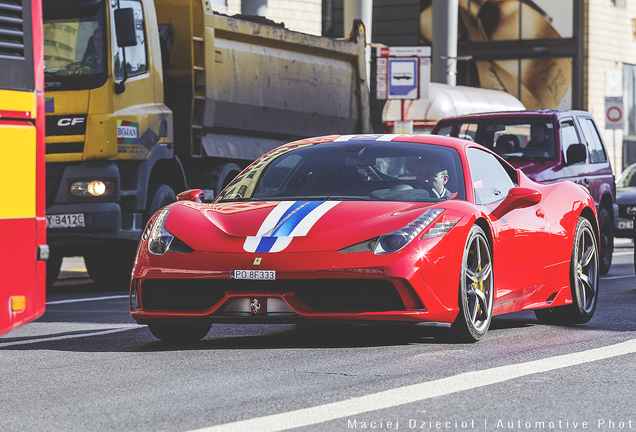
(86, 299)
(617, 277)
(419, 392)
(73, 336)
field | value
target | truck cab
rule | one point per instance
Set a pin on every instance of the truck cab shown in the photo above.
(147, 98)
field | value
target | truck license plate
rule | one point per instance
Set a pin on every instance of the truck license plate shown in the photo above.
(71, 220)
(254, 274)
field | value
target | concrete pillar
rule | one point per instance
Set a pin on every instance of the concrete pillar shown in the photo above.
(362, 9)
(444, 50)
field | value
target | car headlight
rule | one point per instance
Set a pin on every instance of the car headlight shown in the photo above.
(396, 240)
(159, 238)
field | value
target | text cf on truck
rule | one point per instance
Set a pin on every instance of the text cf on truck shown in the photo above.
(148, 98)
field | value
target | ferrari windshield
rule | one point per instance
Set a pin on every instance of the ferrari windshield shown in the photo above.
(381, 171)
(513, 138)
(74, 40)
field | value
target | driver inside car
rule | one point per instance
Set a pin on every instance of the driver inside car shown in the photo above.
(541, 137)
(434, 177)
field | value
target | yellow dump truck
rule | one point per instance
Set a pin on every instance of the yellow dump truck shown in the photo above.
(148, 98)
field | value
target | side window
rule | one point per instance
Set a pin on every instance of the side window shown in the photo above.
(594, 143)
(491, 181)
(445, 131)
(568, 135)
(468, 131)
(136, 56)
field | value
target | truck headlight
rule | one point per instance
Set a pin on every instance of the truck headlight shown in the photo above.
(93, 188)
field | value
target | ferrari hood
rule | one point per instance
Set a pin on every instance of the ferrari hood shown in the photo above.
(291, 226)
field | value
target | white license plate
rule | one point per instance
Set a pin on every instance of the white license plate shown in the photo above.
(254, 274)
(625, 224)
(71, 220)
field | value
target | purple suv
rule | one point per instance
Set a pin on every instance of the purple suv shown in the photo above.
(549, 146)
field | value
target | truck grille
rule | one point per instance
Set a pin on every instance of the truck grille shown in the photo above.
(320, 295)
(11, 29)
(54, 174)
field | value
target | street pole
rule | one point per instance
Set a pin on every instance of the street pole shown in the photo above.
(445, 17)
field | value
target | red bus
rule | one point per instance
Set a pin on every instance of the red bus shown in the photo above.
(23, 248)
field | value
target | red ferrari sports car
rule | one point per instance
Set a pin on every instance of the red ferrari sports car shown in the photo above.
(370, 228)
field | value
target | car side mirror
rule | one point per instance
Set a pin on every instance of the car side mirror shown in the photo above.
(195, 195)
(518, 197)
(125, 27)
(576, 153)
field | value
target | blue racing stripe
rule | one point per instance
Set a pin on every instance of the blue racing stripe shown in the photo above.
(294, 215)
(266, 244)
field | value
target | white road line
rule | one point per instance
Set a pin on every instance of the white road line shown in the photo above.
(72, 336)
(86, 299)
(617, 277)
(419, 392)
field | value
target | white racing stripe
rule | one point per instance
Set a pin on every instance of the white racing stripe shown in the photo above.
(71, 336)
(79, 300)
(419, 392)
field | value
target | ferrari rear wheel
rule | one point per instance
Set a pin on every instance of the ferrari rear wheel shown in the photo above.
(584, 278)
(180, 333)
(476, 289)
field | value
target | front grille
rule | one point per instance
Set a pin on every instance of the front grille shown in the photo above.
(54, 174)
(320, 295)
(349, 295)
(622, 211)
(65, 147)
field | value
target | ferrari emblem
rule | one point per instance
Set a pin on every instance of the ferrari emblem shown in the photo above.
(257, 261)
(255, 306)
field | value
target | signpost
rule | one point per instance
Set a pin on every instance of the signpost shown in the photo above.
(403, 73)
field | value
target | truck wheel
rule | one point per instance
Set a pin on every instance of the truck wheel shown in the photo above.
(53, 266)
(110, 266)
(606, 240)
(159, 195)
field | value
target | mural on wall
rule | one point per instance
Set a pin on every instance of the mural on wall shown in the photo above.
(538, 83)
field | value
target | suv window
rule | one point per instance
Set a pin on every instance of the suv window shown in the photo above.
(594, 144)
(568, 135)
(491, 181)
(513, 138)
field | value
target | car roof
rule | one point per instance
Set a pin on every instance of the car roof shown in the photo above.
(456, 143)
(523, 113)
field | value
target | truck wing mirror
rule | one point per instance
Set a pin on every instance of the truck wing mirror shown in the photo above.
(576, 153)
(125, 27)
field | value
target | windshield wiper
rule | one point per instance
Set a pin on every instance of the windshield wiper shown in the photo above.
(67, 80)
(236, 199)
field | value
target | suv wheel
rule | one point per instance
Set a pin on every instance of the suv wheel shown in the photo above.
(606, 240)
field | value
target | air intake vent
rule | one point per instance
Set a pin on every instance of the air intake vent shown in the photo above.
(11, 29)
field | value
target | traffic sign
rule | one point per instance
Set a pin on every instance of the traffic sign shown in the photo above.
(614, 113)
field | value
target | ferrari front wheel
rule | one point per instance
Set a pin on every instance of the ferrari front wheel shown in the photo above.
(476, 289)
(584, 277)
(180, 332)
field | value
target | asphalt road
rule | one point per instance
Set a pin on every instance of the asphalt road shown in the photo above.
(86, 366)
